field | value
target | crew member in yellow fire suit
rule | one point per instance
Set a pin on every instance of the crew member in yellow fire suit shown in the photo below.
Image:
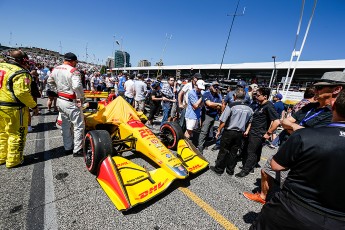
(67, 80)
(15, 98)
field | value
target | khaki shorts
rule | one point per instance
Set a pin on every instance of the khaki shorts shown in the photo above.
(191, 124)
(279, 176)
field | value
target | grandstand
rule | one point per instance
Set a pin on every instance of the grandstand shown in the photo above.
(47, 57)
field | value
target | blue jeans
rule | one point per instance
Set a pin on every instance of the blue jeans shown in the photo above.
(166, 113)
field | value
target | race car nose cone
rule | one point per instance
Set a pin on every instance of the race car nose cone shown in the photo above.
(181, 171)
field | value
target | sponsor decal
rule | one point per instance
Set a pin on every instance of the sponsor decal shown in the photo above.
(27, 81)
(122, 164)
(158, 146)
(160, 162)
(181, 168)
(168, 155)
(151, 190)
(21, 140)
(135, 123)
(135, 179)
(154, 141)
(145, 132)
(194, 167)
(2, 75)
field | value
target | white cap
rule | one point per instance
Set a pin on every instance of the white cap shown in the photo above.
(254, 86)
(179, 82)
(200, 84)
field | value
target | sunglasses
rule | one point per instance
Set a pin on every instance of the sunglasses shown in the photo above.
(320, 87)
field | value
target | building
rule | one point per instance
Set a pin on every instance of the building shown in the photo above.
(122, 59)
(110, 62)
(143, 63)
(259, 72)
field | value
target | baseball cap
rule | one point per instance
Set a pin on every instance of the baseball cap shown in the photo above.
(254, 86)
(200, 84)
(279, 96)
(241, 83)
(70, 57)
(155, 85)
(215, 83)
(197, 75)
(179, 82)
(332, 78)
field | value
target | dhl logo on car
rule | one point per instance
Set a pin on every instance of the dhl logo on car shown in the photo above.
(195, 167)
(151, 190)
(122, 164)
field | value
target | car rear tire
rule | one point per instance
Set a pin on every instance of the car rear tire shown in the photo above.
(171, 133)
(97, 146)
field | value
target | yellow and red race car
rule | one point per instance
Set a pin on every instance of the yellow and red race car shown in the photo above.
(114, 128)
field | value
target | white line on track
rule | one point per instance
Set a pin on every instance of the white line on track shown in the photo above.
(45, 137)
(50, 216)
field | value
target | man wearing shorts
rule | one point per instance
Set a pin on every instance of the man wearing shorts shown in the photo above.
(193, 111)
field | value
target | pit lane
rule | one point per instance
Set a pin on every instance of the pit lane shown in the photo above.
(55, 191)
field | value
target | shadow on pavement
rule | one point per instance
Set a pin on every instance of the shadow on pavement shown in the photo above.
(43, 156)
(250, 217)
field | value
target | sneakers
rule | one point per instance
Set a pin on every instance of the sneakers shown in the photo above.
(251, 171)
(254, 197)
(79, 153)
(215, 171)
(69, 152)
(230, 173)
(29, 129)
(216, 147)
(241, 174)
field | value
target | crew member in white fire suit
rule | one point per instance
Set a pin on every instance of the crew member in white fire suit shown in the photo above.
(66, 78)
(15, 98)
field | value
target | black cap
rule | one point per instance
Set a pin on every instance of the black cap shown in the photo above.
(155, 85)
(70, 57)
(197, 75)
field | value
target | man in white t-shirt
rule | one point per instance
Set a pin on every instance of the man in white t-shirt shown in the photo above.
(183, 98)
(129, 90)
(140, 88)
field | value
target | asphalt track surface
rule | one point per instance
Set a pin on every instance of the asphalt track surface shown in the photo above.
(52, 190)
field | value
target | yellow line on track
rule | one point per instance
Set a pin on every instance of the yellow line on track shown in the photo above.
(208, 209)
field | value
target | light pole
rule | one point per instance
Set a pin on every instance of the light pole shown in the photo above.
(167, 37)
(274, 73)
(113, 51)
(227, 40)
(123, 53)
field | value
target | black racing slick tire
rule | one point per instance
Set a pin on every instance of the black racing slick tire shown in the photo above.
(171, 133)
(97, 146)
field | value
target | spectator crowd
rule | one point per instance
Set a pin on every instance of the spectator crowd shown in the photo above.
(308, 137)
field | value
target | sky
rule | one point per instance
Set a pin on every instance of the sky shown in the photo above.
(179, 32)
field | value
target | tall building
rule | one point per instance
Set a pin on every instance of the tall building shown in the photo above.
(110, 62)
(144, 63)
(121, 58)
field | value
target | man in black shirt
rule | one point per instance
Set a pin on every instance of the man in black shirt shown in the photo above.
(312, 115)
(313, 193)
(265, 121)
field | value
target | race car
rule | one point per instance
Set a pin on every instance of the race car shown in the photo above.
(114, 128)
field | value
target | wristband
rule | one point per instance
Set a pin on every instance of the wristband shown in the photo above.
(269, 133)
